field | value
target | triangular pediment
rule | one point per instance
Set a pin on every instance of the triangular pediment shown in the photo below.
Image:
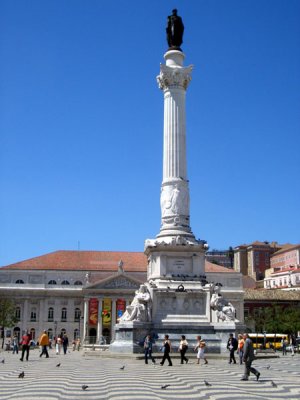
(120, 281)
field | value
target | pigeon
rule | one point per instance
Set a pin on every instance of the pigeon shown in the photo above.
(268, 366)
(123, 367)
(22, 374)
(3, 361)
(273, 384)
(84, 387)
(207, 383)
(165, 386)
(58, 365)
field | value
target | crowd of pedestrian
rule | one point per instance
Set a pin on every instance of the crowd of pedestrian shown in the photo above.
(243, 346)
(26, 342)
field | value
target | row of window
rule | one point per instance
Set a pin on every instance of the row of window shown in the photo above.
(53, 282)
(33, 318)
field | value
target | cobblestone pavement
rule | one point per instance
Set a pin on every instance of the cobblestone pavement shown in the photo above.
(137, 381)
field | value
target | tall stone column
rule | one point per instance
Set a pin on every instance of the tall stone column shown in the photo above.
(85, 319)
(25, 316)
(99, 326)
(113, 317)
(175, 198)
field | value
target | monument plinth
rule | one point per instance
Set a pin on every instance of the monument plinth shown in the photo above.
(177, 297)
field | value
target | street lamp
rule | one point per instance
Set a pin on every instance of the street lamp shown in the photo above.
(55, 328)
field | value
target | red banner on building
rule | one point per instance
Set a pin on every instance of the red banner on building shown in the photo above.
(121, 306)
(93, 311)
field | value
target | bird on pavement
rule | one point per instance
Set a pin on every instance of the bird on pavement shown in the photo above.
(84, 387)
(165, 386)
(123, 367)
(58, 365)
(22, 374)
(3, 361)
(207, 383)
(268, 366)
(273, 384)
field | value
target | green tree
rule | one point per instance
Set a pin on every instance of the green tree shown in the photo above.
(7, 315)
(277, 319)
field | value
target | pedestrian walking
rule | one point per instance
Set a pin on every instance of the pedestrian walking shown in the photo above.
(25, 342)
(58, 344)
(166, 349)
(248, 358)
(15, 344)
(232, 346)
(200, 348)
(148, 349)
(241, 348)
(65, 343)
(283, 345)
(44, 342)
(183, 347)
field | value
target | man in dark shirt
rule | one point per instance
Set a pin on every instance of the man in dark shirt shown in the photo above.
(232, 346)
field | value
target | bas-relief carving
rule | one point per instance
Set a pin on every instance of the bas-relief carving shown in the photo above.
(177, 77)
(174, 201)
(120, 282)
(181, 306)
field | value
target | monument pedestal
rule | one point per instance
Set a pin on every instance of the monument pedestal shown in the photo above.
(129, 336)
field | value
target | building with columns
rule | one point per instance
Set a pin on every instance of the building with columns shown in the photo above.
(82, 293)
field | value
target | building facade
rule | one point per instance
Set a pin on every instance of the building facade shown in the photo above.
(254, 259)
(84, 293)
(221, 257)
(285, 269)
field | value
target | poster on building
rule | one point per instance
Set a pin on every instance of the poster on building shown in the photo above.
(121, 307)
(106, 312)
(93, 311)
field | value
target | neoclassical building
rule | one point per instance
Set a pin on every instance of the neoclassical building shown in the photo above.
(84, 293)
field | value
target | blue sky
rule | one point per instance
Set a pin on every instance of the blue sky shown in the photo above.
(81, 123)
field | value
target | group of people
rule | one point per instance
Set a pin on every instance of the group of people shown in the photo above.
(61, 343)
(166, 348)
(243, 345)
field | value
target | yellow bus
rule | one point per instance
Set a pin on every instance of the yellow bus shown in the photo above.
(267, 341)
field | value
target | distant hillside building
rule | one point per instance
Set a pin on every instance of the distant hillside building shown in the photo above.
(221, 257)
(285, 269)
(253, 259)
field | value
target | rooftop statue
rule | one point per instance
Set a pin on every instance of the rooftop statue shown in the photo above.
(174, 30)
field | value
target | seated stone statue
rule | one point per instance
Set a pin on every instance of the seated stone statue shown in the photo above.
(224, 309)
(140, 307)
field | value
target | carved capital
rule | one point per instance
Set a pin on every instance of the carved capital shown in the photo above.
(178, 77)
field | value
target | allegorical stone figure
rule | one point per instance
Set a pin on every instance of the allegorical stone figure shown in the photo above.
(224, 309)
(174, 30)
(140, 307)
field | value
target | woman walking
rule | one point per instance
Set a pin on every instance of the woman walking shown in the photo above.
(241, 342)
(200, 348)
(167, 349)
(183, 346)
(148, 349)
